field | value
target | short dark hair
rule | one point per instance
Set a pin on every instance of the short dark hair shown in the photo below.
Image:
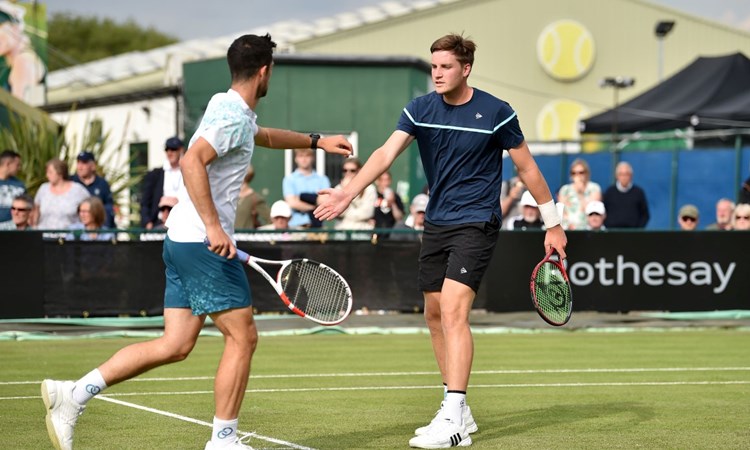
(8, 155)
(26, 198)
(248, 54)
(462, 48)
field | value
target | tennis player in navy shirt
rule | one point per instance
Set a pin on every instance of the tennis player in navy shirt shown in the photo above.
(461, 132)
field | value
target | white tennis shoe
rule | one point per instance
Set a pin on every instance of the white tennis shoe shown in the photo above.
(442, 434)
(236, 445)
(62, 412)
(469, 422)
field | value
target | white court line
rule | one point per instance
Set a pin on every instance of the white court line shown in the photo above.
(199, 422)
(399, 374)
(431, 386)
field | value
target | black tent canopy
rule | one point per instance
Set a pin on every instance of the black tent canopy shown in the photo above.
(711, 93)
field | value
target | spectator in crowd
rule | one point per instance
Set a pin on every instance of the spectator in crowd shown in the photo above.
(596, 216)
(688, 217)
(744, 195)
(530, 218)
(252, 209)
(624, 201)
(724, 211)
(357, 216)
(510, 194)
(576, 195)
(741, 217)
(415, 221)
(96, 185)
(91, 216)
(300, 189)
(281, 214)
(56, 202)
(161, 182)
(389, 208)
(10, 186)
(20, 212)
(165, 207)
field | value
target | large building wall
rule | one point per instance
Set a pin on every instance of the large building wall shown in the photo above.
(507, 63)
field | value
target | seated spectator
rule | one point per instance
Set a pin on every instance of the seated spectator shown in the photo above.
(389, 208)
(415, 221)
(724, 211)
(357, 216)
(510, 194)
(530, 217)
(252, 209)
(20, 212)
(96, 185)
(744, 195)
(300, 189)
(10, 186)
(741, 217)
(92, 216)
(688, 218)
(624, 201)
(281, 214)
(160, 182)
(596, 215)
(56, 202)
(576, 195)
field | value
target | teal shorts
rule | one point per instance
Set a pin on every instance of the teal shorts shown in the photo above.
(203, 281)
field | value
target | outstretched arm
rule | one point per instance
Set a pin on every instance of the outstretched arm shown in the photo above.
(380, 160)
(283, 139)
(532, 177)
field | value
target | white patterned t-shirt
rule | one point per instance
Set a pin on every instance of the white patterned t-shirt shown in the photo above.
(229, 126)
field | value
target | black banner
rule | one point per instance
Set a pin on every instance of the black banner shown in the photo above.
(610, 272)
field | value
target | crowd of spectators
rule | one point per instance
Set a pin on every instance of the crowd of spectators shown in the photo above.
(83, 203)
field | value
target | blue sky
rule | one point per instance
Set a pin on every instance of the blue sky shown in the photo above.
(191, 19)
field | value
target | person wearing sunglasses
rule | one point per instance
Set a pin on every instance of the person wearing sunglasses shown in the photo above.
(577, 195)
(688, 218)
(741, 217)
(357, 216)
(20, 212)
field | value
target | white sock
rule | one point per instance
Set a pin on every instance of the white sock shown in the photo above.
(87, 387)
(225, 432)
(454, 406)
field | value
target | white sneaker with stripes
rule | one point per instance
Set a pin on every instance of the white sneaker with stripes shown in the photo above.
(442, 434)
(469, 422)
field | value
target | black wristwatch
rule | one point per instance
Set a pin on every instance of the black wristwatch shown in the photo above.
(314, 143)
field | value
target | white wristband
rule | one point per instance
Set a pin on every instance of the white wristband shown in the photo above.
(550, 217)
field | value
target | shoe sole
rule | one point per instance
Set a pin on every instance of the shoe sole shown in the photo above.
(48, 403)
(464, 443)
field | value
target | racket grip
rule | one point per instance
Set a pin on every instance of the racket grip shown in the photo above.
(241, 255)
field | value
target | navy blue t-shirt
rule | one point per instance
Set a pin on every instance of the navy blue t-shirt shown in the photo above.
(461, 149)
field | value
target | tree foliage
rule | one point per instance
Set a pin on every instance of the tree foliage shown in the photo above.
(77, 39)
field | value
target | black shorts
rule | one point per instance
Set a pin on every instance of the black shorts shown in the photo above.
(459, 252)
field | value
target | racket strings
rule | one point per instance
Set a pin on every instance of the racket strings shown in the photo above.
(316, 290)
(552, 293)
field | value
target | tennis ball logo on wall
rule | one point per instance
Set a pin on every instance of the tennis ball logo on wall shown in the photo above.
(558, 120)
(565, 50)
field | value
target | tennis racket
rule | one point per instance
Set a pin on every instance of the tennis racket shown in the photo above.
(550, 290)
(308, 288)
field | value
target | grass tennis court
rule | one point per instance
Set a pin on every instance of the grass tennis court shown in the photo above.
(669, 389)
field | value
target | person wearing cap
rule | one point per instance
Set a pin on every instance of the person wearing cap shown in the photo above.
(529, 219)
(281, 213)
(96, 185)
(415, 220)
(161, 182)
(596, 214)
(688, 217)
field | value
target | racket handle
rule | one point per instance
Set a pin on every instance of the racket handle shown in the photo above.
(241, 255)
